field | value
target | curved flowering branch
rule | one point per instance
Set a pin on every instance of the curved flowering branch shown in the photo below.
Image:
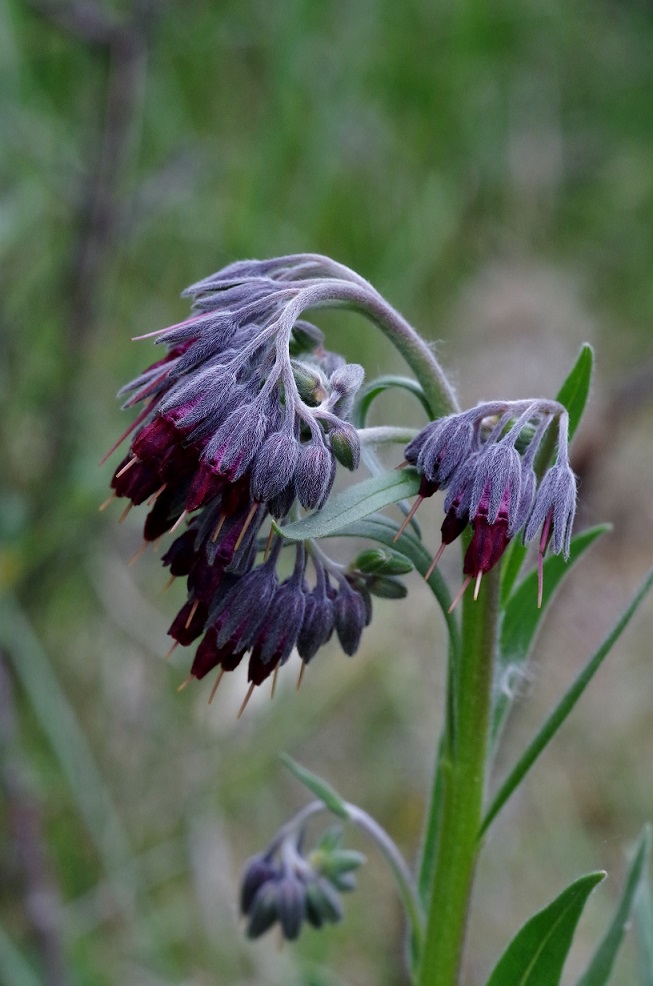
(285, 883)
(243, 420)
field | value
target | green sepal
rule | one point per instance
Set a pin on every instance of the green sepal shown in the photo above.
(320, 788)
(536, 955)
(386, 587)
(335, 863)
(600, 967)
(330, 839)
(382, 561)
(353, 504)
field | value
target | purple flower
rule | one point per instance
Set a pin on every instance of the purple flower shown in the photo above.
(243, 420)
(485, 456)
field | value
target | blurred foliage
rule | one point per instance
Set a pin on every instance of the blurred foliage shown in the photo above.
(428, 145)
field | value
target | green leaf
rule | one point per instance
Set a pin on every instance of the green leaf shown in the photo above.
(382, 529)
(536, 955)
(575, 390)
(643, 910)
(368, 394)
(513, 560)
(353, 504)
(321, 789)
(522, 617)
(57, 718)
(599, 969)
(14, 968)
(551, 726)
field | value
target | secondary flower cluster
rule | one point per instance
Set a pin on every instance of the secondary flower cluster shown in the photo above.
(486, 458)
(244, 417)
(287, 886)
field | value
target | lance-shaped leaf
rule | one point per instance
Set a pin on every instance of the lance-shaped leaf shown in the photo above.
(522, 618)
(536, 955)
(575, 390)
(551, 726)
(320, 788)
(353, 504)
(643, 910)
(600, 967)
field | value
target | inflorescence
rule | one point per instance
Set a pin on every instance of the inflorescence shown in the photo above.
(486, 458)
(243, 421)
(287, 885)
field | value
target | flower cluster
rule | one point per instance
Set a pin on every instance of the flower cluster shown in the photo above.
(286, 886)
(486, 459)
(244, 417)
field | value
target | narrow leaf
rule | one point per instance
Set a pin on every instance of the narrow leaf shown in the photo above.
(599, 969)
(513, 560)
(522, 618)
(575, 390)
(567, 702)
(321, 789)
(643, 910)
(58, 720)
(536, 955)
(353, 504)
(14, 968)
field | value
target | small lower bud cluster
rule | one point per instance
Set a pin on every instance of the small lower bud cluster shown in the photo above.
(486, 460)
(283, 885)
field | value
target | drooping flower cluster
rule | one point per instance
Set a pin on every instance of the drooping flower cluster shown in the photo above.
(486, 459)
(287, 886)
(244, 417)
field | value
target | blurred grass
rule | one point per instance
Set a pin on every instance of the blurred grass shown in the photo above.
(488, 167)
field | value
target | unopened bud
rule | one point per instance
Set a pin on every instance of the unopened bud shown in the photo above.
(382, 561)
(346, 445)
(311, 383)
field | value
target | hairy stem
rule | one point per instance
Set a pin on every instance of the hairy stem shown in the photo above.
(462, 787)
(417, 353)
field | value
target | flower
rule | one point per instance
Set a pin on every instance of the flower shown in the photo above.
(243, 420)
(485, 458)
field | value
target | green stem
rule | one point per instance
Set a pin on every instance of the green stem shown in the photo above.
(419, 356)
(462, 786)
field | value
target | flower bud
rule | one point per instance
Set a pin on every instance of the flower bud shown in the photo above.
(291, 905)
(310, 382)
(274, 466)
(258, 870)
(345, 445)
(386, 587)
(350, 617)
(263, 911)
(382, 561)
(314, 475)
(305, 338)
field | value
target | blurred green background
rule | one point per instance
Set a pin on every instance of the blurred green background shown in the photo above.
(489, 167)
